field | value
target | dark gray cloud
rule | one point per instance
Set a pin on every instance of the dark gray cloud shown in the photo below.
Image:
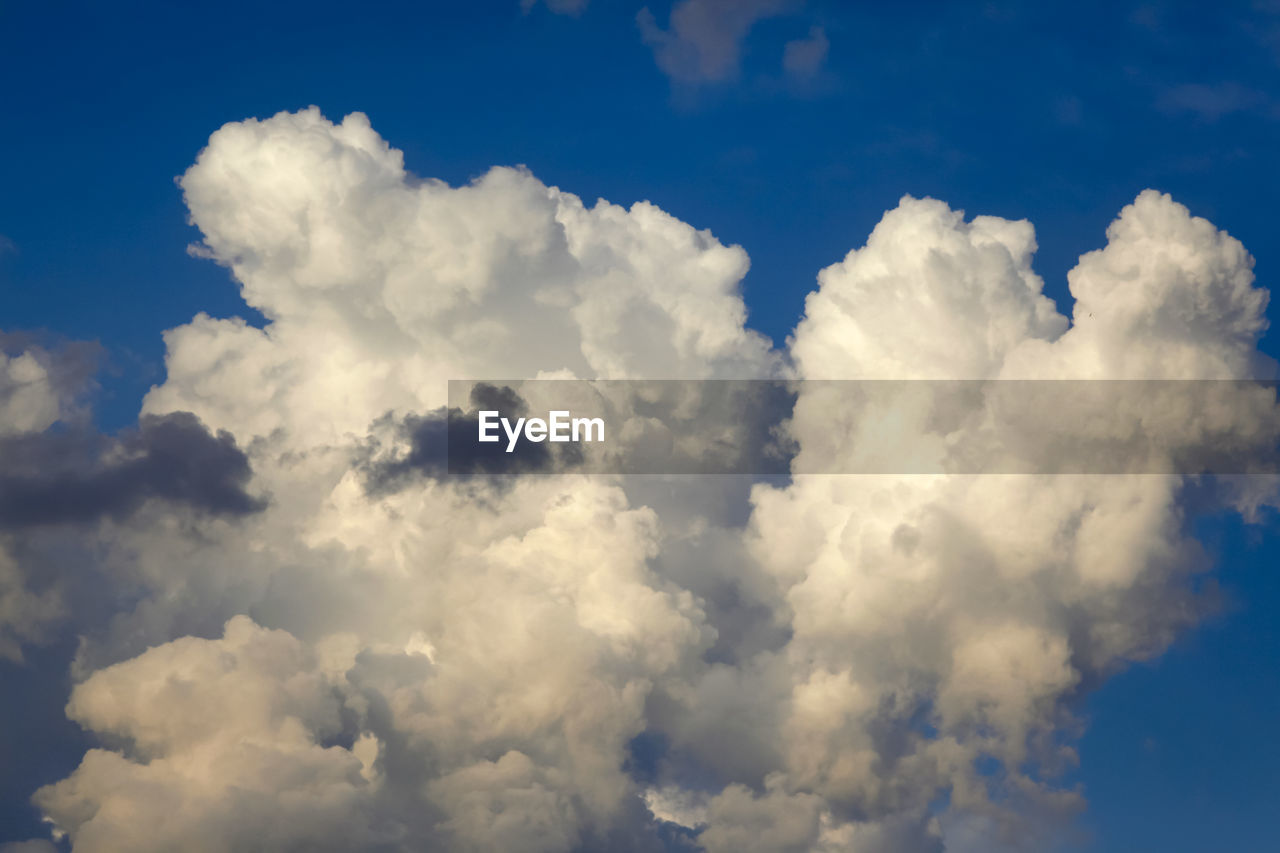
(665, 426)
(444, 441)
(76, 476)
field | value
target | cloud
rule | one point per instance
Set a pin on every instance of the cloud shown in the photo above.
(803, 58)
(1212, 102)
(56, 487)
(703, 40)
(981, 604)
(966, 290)
(569, 662)
(40, 386)
(56, 479)
(443, 442)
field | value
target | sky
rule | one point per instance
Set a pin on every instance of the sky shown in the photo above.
(789, 129)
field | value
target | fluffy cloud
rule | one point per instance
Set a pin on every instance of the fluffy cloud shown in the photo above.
(39, 386)
(75, 477)
(980, 604)
(931, 295)
(381, 658)
(380, 288)
(58, 486)
(804, 57)
(225, 752)
(1211, 102)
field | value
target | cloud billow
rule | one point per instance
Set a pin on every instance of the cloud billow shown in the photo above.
(385, 658)
(444, 443)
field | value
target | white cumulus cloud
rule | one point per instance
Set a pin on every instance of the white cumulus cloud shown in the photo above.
(559, 663)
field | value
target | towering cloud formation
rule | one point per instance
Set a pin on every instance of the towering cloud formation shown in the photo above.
(380, 287)
(560, 663)
(979, 603)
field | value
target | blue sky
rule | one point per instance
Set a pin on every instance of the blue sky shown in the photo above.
(1059, 113)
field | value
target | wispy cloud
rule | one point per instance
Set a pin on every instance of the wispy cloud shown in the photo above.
(704, 38)
(1211, 102)
(803, 58)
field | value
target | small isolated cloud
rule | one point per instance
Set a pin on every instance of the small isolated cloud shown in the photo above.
(40, 386)
(803, 58)
(559, 7)
(7, 246)
(703, 41)
(1212, 102)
